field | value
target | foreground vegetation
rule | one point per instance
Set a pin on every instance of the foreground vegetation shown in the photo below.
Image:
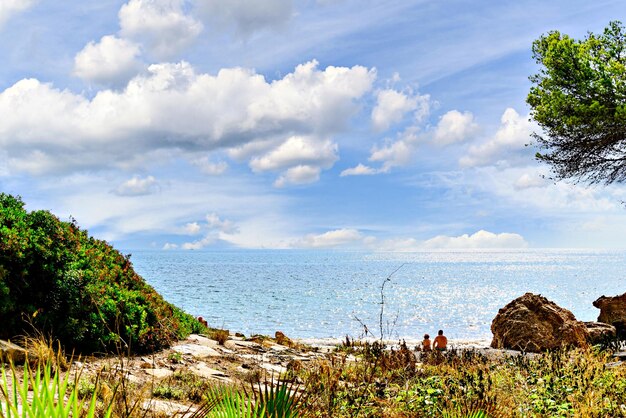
(467, 383)
(354, 381)
(57, 280)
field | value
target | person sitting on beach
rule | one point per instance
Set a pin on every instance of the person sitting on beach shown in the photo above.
(440, 342)
(426, 343)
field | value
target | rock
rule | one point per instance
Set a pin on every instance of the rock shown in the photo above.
(235, 344)
(12, 352)
(282, 339)
(274, 368)
(204, 371)
(198, 351)
(159, 373)
(613, 311)
(201, 340)
(532, 323)
(614, 364)
(600, 332)
(169, 408)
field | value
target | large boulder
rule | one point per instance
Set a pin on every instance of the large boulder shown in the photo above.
(613, 311)
(13, 353)
(600, 332)
(532, 323)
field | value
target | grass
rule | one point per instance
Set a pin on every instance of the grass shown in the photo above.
(397, 383)
(43, 393)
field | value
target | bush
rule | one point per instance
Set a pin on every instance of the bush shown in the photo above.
(77, 289)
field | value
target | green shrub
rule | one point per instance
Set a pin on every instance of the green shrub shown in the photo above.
(78, 289)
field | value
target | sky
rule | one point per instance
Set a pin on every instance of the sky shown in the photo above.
(395, 125)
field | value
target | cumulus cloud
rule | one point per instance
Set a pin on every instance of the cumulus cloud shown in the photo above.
(454, 127)
(112, 61)
(302, 158)
(199, 244)
(508, 142)
(137, 186)
(213, 229)
(192, 228)
(214, 222)
(171, 107)
(297, 150)
(392, 106)
(301, 174)
(480, 239)
(359, 170)
(162, 26)
(330, 239)
(393, 154)
(527, 181)
(9, 8)
(245, 16)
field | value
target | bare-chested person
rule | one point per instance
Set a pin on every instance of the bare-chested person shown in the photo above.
(441, 342)
(426, 343)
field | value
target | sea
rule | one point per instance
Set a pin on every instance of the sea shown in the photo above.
(328, 295)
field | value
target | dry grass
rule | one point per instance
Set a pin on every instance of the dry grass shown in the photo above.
(398, 383)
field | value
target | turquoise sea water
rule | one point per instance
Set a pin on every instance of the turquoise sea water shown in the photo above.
(315, 294)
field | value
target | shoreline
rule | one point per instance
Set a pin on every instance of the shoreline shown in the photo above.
(470, 343)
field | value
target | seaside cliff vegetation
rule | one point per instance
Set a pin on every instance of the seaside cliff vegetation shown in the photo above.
(57, 280)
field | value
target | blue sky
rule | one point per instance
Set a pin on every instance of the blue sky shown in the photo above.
(383, 125)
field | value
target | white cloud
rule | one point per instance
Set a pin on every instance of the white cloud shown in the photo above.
(215, 229)
(192, 228)
(359, 170)
(199, 244)
(527, 181)
(510, 139)
(480, 239)
(301, 174)
(225, 226)
(8, 8)
(392, 105)
(162, 26)
(455, 126)
(172, 108)
(516, 185)
(297, 150)
(170, 246)
(328, 239)
(137, 187)
(302, 157)
(393, 154)
(245, 16)
(209, 167)
(112, 61)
